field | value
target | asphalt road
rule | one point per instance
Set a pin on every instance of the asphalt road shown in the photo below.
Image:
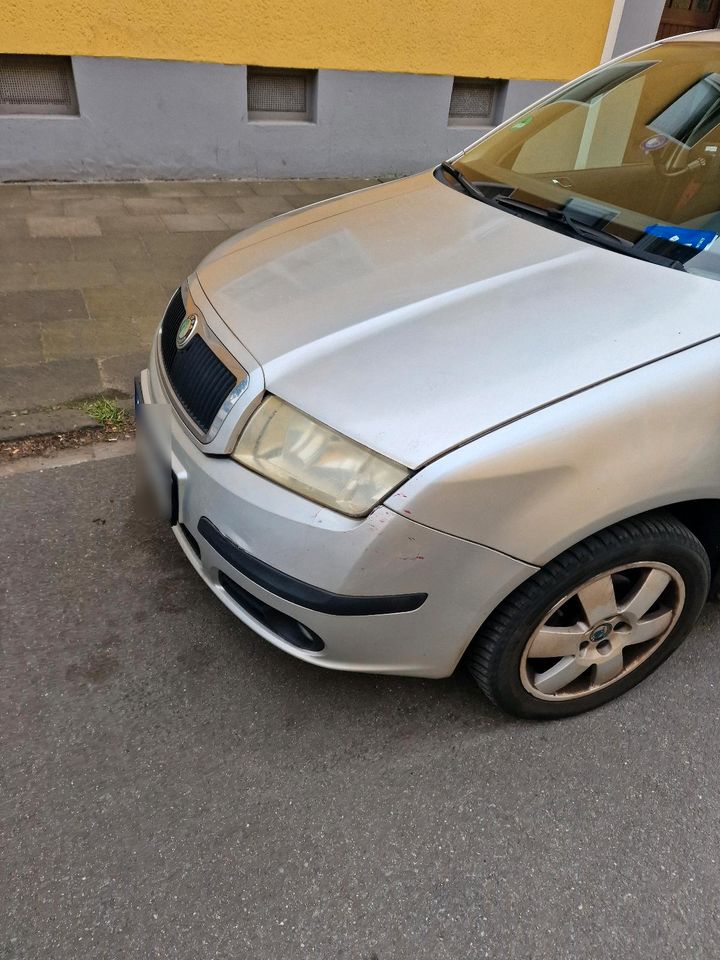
(174, 787)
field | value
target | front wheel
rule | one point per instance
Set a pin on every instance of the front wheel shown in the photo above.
(593, 622)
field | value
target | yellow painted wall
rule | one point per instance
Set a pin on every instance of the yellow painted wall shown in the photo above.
(516, 39)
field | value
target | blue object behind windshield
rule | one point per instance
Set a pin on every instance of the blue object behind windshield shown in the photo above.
(696, 239)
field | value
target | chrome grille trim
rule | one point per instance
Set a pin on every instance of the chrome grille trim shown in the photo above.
(179, 305)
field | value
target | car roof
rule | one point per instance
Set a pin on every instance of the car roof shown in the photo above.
(702, 36)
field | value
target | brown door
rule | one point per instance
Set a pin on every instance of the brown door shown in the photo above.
(684, 16)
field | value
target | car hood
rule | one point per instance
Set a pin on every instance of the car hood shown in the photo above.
(412, 318)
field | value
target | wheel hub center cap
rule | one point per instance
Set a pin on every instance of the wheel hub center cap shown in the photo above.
(601, 632)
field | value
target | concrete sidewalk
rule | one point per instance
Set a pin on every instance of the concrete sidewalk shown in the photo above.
(86, 270)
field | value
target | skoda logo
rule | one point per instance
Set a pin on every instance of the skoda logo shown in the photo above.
(600, 633)
(186, 330)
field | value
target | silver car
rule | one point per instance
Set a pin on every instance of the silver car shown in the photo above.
(472, 414)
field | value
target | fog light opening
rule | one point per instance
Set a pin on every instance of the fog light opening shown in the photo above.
(282, 625)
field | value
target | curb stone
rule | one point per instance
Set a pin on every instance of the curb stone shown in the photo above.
(22, 425)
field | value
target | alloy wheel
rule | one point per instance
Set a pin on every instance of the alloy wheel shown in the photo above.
(602, 631)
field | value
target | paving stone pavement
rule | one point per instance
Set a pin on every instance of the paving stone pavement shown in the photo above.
(86, 270)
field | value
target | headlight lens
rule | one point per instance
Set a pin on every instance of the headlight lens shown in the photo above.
(297, 452)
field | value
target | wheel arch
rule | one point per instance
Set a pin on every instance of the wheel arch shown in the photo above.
(700, 516)
(703, 518)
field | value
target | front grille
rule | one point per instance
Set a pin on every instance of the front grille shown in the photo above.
(200, 380)
(170, 326)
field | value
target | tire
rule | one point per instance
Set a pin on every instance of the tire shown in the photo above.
(534, 640)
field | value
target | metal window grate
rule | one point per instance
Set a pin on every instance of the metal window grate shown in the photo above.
(473, 102)
(275, 94)
(37, 85)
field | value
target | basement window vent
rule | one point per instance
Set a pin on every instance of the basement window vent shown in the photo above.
(37, 85)
(278, 94)
(474, 102)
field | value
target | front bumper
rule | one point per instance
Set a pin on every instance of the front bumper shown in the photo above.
(234, 525)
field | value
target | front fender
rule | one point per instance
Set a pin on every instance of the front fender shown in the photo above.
(534, 487)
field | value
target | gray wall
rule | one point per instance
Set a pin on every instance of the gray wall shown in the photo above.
(145, 119)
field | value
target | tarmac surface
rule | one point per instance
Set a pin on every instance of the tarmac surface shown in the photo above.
(175, 787)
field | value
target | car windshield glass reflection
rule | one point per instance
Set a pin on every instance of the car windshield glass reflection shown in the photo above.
(632, 152)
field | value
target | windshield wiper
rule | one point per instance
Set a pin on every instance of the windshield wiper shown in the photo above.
(563, 219)
(468, 187)
(557, 216)
(586, 231)
(561, 216)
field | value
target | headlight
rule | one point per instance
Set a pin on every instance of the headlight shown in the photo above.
(297, 452)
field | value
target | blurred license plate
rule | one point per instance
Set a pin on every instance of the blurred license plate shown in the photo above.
(157, 486)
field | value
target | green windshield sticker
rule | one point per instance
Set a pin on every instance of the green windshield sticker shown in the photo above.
(523, 122)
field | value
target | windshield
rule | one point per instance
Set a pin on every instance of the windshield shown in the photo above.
(632, 151)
